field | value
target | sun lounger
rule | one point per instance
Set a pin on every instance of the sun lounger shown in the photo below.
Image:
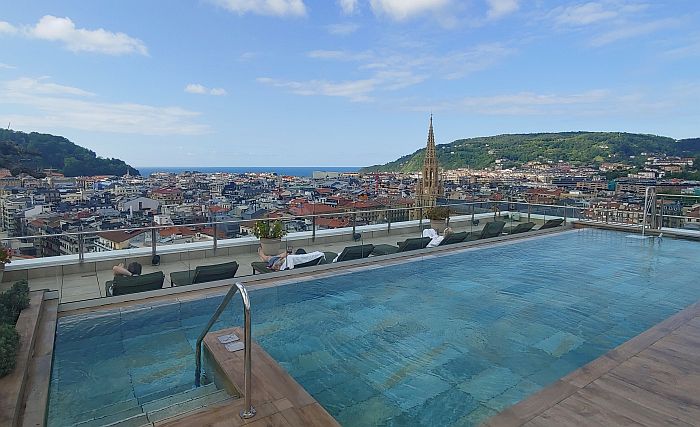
(204, 273)
(407, 245)
(122, 285)
(520, 228)
(551, 224)
(261, 267)
(350, 253)
(454, 238)
(491, 229)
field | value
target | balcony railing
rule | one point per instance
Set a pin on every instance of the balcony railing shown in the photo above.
(83, 257)
(210, 235)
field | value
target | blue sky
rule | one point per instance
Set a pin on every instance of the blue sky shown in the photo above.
(340, 82)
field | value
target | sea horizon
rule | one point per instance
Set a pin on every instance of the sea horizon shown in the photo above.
(301, 171)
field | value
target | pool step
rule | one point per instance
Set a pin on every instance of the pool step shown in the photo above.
(112, 418)
(140, 420)
(108, 409)
(157, 407)
(164, 393)
(179, 397)
(188, 405)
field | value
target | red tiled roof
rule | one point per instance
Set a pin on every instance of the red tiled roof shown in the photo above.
(332, 222)
(311, 209)
(172, 231)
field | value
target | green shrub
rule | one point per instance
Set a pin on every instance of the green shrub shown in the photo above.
(9, 343)
(13, 301)
(437, 212)
(266, 229)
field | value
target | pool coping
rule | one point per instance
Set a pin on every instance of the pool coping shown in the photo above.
(282, 278)
(538, 404)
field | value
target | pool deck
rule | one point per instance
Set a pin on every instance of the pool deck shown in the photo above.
(651, 380)
(278, 399)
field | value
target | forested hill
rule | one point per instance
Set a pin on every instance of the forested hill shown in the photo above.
(574, 147)
(31, 152)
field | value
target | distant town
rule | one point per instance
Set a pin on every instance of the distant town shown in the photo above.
(110, 205)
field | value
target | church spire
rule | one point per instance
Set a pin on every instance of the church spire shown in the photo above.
(429, 185)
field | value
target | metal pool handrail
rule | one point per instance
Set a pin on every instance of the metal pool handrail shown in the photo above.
(248, 409)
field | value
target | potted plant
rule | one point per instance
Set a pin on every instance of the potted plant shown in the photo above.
(270, 234)
(439, 217)
(5, 255)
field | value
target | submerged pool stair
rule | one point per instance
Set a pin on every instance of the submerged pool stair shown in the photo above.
(153, 408)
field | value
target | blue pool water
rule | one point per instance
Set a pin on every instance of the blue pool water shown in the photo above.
(447, 340)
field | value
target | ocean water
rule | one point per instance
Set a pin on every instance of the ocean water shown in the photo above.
(440, 341)
(302, 171)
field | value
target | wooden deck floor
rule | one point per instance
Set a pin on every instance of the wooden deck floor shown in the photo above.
(278, 399)
(651, 380)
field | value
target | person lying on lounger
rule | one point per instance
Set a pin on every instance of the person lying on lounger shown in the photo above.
(285, 261)
(133, 269)
(435, 238)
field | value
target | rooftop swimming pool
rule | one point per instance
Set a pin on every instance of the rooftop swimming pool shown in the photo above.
(443, 340)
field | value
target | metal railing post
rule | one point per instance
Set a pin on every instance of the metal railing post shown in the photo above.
(313, 228)
(81, 247)
(354, 222)
(388, 222)
(215, 242)
(564, 213)
(154, 242)
(420, 219)
(529, 209)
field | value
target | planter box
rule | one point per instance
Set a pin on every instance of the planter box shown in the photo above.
(13, 384)
(271, 246)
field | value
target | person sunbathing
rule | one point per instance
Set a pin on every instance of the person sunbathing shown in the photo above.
(274, 262)
(133, 269)
(285, 261)
(435, 238)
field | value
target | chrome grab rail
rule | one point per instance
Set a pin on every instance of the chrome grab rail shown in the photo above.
(248, 409)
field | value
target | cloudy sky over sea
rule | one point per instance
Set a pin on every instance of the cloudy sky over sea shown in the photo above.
(340, 82)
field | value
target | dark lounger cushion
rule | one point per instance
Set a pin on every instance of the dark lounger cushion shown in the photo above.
(122, 285)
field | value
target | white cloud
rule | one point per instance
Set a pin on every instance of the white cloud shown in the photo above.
(264, 7)
(403, 9)
(633, 30)
(56, 106)
(199, 89)
(6, 66)
(355, 90)
(63, 30)
(584, 14)
(217, 91)
(26, 85)
(7, 28)
(522, 103)
(686, 51)
(195, 88)
(248, 56)
(391, 71)
(595, 12)
(340, 55)
(342, 29)
(499, 8)
(348, 6)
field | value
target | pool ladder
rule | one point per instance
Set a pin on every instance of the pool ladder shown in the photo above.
(248, 409)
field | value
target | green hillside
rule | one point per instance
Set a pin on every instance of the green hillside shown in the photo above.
(574, 147)
(30, 152)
